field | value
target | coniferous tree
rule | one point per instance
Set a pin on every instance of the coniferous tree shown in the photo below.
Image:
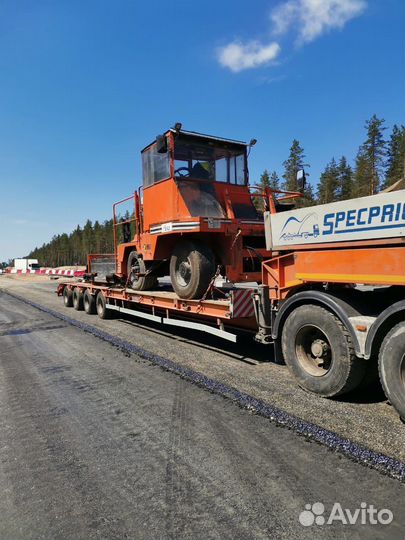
(308, 199)
(362, 175)
(263, 183)
(72, 249)
(294, 162)
(274, 181)
(329, 183)
(395, 156)
(345, 180)
(370, 158)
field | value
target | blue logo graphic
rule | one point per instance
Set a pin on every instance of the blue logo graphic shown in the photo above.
(307, 227)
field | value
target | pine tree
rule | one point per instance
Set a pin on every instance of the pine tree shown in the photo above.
(395, 156)
(308, 198)
(263, 183)
(329, 183)
(371, 158)
(295, 162)
(345, 180)
(274, 181)
(292, 165)
(362, 175)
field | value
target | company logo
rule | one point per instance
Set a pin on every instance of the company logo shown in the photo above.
(295, 228)
(345, 221)
(314, 514)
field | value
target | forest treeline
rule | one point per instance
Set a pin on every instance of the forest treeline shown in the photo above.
(379, 163)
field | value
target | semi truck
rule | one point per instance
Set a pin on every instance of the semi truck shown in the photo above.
(26, 264)
(329, 280)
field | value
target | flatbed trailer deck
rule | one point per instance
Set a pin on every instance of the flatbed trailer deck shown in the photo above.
(223, 317)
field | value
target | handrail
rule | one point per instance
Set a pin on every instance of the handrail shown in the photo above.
(270, 200)
(136, 219)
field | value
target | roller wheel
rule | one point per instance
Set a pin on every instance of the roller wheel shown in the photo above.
(78, 299)
(101, 306)
(89, 303)
(192, 267)
(67, 297)
(136, 265)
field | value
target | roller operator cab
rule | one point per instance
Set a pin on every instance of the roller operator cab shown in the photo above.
(195, 217)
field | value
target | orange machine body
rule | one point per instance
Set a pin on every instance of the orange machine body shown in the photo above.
(214, 204)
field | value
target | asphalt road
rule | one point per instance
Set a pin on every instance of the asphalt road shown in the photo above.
(97, 443)
(366, 418)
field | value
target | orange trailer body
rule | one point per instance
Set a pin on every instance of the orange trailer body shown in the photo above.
(378, 265)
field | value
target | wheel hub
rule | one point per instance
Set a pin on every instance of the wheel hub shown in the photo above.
(135, 270)
(319, 348)
(184, 271)
(313, 350)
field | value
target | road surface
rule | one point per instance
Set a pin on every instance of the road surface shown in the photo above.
(98, 443)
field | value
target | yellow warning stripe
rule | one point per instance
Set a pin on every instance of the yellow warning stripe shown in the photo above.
(354, 278)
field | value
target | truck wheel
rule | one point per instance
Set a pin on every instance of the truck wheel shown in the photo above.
(318, 350)
(67, 297)
(136, 265)
(191, 269)
(77, 299)
(89, 303)
(101, 306)
(391, 364)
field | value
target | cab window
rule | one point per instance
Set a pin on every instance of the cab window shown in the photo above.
(155, 166)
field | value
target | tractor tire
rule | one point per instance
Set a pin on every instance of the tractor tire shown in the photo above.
(137, 265)
(67, 297)
(101, 306)
(192, 267)
(89, 303)
(77, 299)
(318, 350)
(391, 363)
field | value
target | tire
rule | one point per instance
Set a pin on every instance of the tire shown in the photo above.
(391, 363)
(101, 304)
(137, 264)
(191, 269)
(318, 350)
(89, 303)
(78, 299)
(67, 297)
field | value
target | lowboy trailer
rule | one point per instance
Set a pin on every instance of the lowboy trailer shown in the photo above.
(331, 298)
(330, 291)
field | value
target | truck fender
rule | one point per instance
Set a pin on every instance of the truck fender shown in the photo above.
(391, 312)
(337, 306)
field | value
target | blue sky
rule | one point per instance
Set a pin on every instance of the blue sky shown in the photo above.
(86, 84)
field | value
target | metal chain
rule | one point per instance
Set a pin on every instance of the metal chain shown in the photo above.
(214, 277)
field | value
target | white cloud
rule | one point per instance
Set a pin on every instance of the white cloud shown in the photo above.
(314, 17)
(238, 56)
(309, 18)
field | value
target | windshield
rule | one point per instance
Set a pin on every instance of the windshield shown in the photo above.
(205, 161)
